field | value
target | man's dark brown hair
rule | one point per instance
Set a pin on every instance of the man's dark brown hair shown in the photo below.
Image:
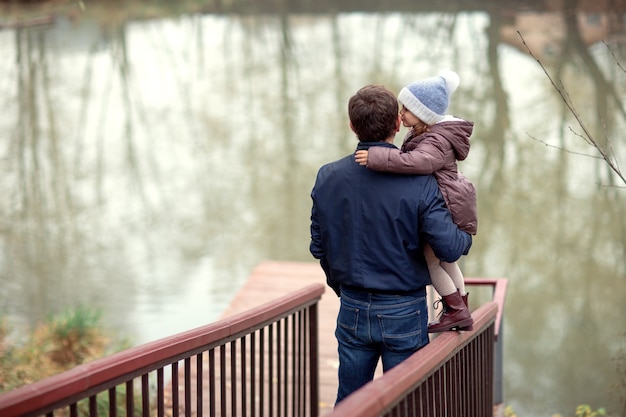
(373, 112)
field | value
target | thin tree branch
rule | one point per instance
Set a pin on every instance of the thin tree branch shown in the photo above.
(614, 57)
(609, 157)
(549, 145)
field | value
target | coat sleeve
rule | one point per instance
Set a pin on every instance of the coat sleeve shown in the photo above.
(317, 248)
(427, 157)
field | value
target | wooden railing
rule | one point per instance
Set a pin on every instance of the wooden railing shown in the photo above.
(264, 362)
(259, 363)
(454, 375)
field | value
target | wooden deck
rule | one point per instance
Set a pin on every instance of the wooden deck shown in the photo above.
(273, 279)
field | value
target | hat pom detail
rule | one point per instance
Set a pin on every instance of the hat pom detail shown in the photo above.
(452, 80)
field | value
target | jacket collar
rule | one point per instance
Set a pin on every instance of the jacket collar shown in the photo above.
(363, 146)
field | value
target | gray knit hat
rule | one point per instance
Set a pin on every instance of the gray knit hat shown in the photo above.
(428, 99)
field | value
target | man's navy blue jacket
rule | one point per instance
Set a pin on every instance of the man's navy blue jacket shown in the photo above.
(368, 228)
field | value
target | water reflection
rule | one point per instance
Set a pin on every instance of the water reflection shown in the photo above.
(150, 164)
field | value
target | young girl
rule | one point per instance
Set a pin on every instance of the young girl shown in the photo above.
(433, 144)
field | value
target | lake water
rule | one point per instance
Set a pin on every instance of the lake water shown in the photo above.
(152, 155)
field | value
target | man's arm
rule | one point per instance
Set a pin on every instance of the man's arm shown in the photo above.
(448, 241)
(316, 248)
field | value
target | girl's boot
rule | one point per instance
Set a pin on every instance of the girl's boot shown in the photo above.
(471, 326)
(455, 315)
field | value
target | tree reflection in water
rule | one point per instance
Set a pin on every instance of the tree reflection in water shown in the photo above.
(153, 157)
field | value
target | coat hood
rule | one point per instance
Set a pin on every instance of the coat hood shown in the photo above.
(457, 132)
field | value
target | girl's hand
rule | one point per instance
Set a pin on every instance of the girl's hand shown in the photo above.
(361, 157)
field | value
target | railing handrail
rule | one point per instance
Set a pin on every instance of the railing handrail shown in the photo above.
(373, 399)
(499, 295)
(107, 372)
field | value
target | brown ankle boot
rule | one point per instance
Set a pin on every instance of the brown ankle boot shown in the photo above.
(471, 326)
(455, 315)
(464, 297)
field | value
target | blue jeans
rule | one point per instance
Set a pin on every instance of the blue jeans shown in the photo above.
(371, 326)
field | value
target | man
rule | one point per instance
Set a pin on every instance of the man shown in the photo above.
(368, 230)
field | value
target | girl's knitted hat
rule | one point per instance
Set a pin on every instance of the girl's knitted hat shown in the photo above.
(428, 98)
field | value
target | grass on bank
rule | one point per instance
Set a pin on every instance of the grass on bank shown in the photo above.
(59, 344)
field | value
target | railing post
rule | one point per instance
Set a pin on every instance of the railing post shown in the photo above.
(499, 296)
(498, 358)
(314, 359)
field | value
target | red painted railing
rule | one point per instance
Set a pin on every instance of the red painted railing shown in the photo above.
(454, 375)
(272, 348)
(264, 362)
